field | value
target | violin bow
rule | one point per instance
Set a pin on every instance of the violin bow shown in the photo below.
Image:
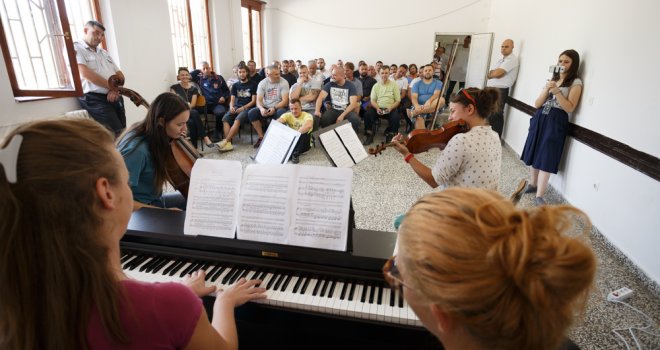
(454, 49)
(117, 84)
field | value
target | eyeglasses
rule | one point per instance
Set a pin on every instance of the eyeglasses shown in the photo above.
(393, 275)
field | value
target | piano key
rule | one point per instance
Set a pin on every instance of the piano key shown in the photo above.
(373, 305)
(296, 286)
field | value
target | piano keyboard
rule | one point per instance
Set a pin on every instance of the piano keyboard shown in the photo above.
(352, 298)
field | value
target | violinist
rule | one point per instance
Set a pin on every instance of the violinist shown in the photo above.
(146, 151)
(471, 159)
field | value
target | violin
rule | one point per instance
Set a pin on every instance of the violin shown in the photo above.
(422, 140)
(116, 83)
(179, 166)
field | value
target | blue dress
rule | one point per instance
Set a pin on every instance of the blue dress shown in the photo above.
(547, 134)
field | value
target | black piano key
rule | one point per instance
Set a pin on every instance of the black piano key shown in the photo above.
(365, 289)
(372, 293)
(239, 275)
(298, 283)
(379, 300)
(400, 298)
(204, 265)
(392, 294)
(131, 261)
(272, 281)
(331, 291)
(169, 267)
(352, 291)
(230, 274)
(279, 282)
(125, 257)
(189, 269)
(319, 283)
(230, 278)
(212, 272)
(216, 273)
(127, 260)
(151, 265)
(325, 287)
(137, 262)
(177, 267)
(344, 288)
(285, 283)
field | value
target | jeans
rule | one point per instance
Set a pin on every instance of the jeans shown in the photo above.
(111, 115)
(330, 117)
(392, 117)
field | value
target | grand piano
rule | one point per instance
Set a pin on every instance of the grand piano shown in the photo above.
(316, 298)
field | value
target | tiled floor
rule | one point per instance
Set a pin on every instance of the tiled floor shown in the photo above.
(385, 186)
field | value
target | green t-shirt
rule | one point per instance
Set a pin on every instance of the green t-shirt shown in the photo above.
(386, 95)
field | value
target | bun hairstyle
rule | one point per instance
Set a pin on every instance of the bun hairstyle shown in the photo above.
(53, 265)
(486, 101)
(510, 277)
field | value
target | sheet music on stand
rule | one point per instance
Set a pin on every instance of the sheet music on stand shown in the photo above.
(341, 144)
(278, 144)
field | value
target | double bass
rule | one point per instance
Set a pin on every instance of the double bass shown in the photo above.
(179, 166)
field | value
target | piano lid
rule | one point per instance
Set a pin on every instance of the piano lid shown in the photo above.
(164, 228)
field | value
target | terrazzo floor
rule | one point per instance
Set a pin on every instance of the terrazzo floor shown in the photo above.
(385, 186)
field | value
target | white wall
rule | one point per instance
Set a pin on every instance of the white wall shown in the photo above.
(390, 31)
(618, 101)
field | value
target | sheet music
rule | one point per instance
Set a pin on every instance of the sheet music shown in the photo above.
(263, 209)
(278, 144)
(352, 142)
(213, 198)
(335, 149)
(321, 205)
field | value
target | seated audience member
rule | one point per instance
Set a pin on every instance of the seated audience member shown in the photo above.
(314, 72)
(234, 78)
(326, 72)
(61, 253)
(300, 121)
(374, 73)
(306, 90)
(412, 74)
(286, 74)
(272, 101)
(425, 96)
(146, 150)
(298, 64)
(399, 76)
(349, 69)
(293, 69)
(243, 98)
(189, 92)
(215, 90)
(482, 274)
(367, 84)
(385, 98)
(343, 101)
(253, 74)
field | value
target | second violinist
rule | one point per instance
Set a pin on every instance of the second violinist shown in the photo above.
(471, 159)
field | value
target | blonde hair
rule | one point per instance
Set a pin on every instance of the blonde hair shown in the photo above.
(508, 275)
(53, 262)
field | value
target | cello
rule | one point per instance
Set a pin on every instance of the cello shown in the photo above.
(179, 166)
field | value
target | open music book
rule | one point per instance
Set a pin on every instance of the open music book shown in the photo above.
(342, 144)
(297, 205)
(277, 145)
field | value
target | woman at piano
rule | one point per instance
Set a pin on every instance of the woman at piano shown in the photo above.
(483, 274)
(65, 203)
(145, 148)
(471, 159)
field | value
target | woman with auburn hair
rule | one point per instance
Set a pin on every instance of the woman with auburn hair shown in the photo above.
(549, 126)
(482, 274)
(146, 150)
(65, 203)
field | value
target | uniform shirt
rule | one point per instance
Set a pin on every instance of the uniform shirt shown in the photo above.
(385, 95)
(472, 159)
(98, 61)
(296, 123)
(272, 92)
(213, 87)
(153, 315)
(510, 66)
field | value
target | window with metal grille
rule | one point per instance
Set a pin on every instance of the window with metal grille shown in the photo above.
(37, 38)
(189, 23)
(251, 21)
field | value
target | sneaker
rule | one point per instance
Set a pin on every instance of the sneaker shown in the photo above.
(530, 189)
(539, 201)
(295, 158)
(258, 143)
(226, 147)
(369, 140)
(221, 144)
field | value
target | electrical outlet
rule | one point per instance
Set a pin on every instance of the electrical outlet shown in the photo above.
(596, 186)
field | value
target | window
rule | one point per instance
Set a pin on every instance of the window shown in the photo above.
(37, 44)
(189, 22)
(251, 20)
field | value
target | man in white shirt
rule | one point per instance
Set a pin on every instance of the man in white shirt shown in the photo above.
(502, 76)
(96, 66)
(326, 72)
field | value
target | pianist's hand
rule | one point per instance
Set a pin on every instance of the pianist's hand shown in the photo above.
(196, 282)
(240, 293)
